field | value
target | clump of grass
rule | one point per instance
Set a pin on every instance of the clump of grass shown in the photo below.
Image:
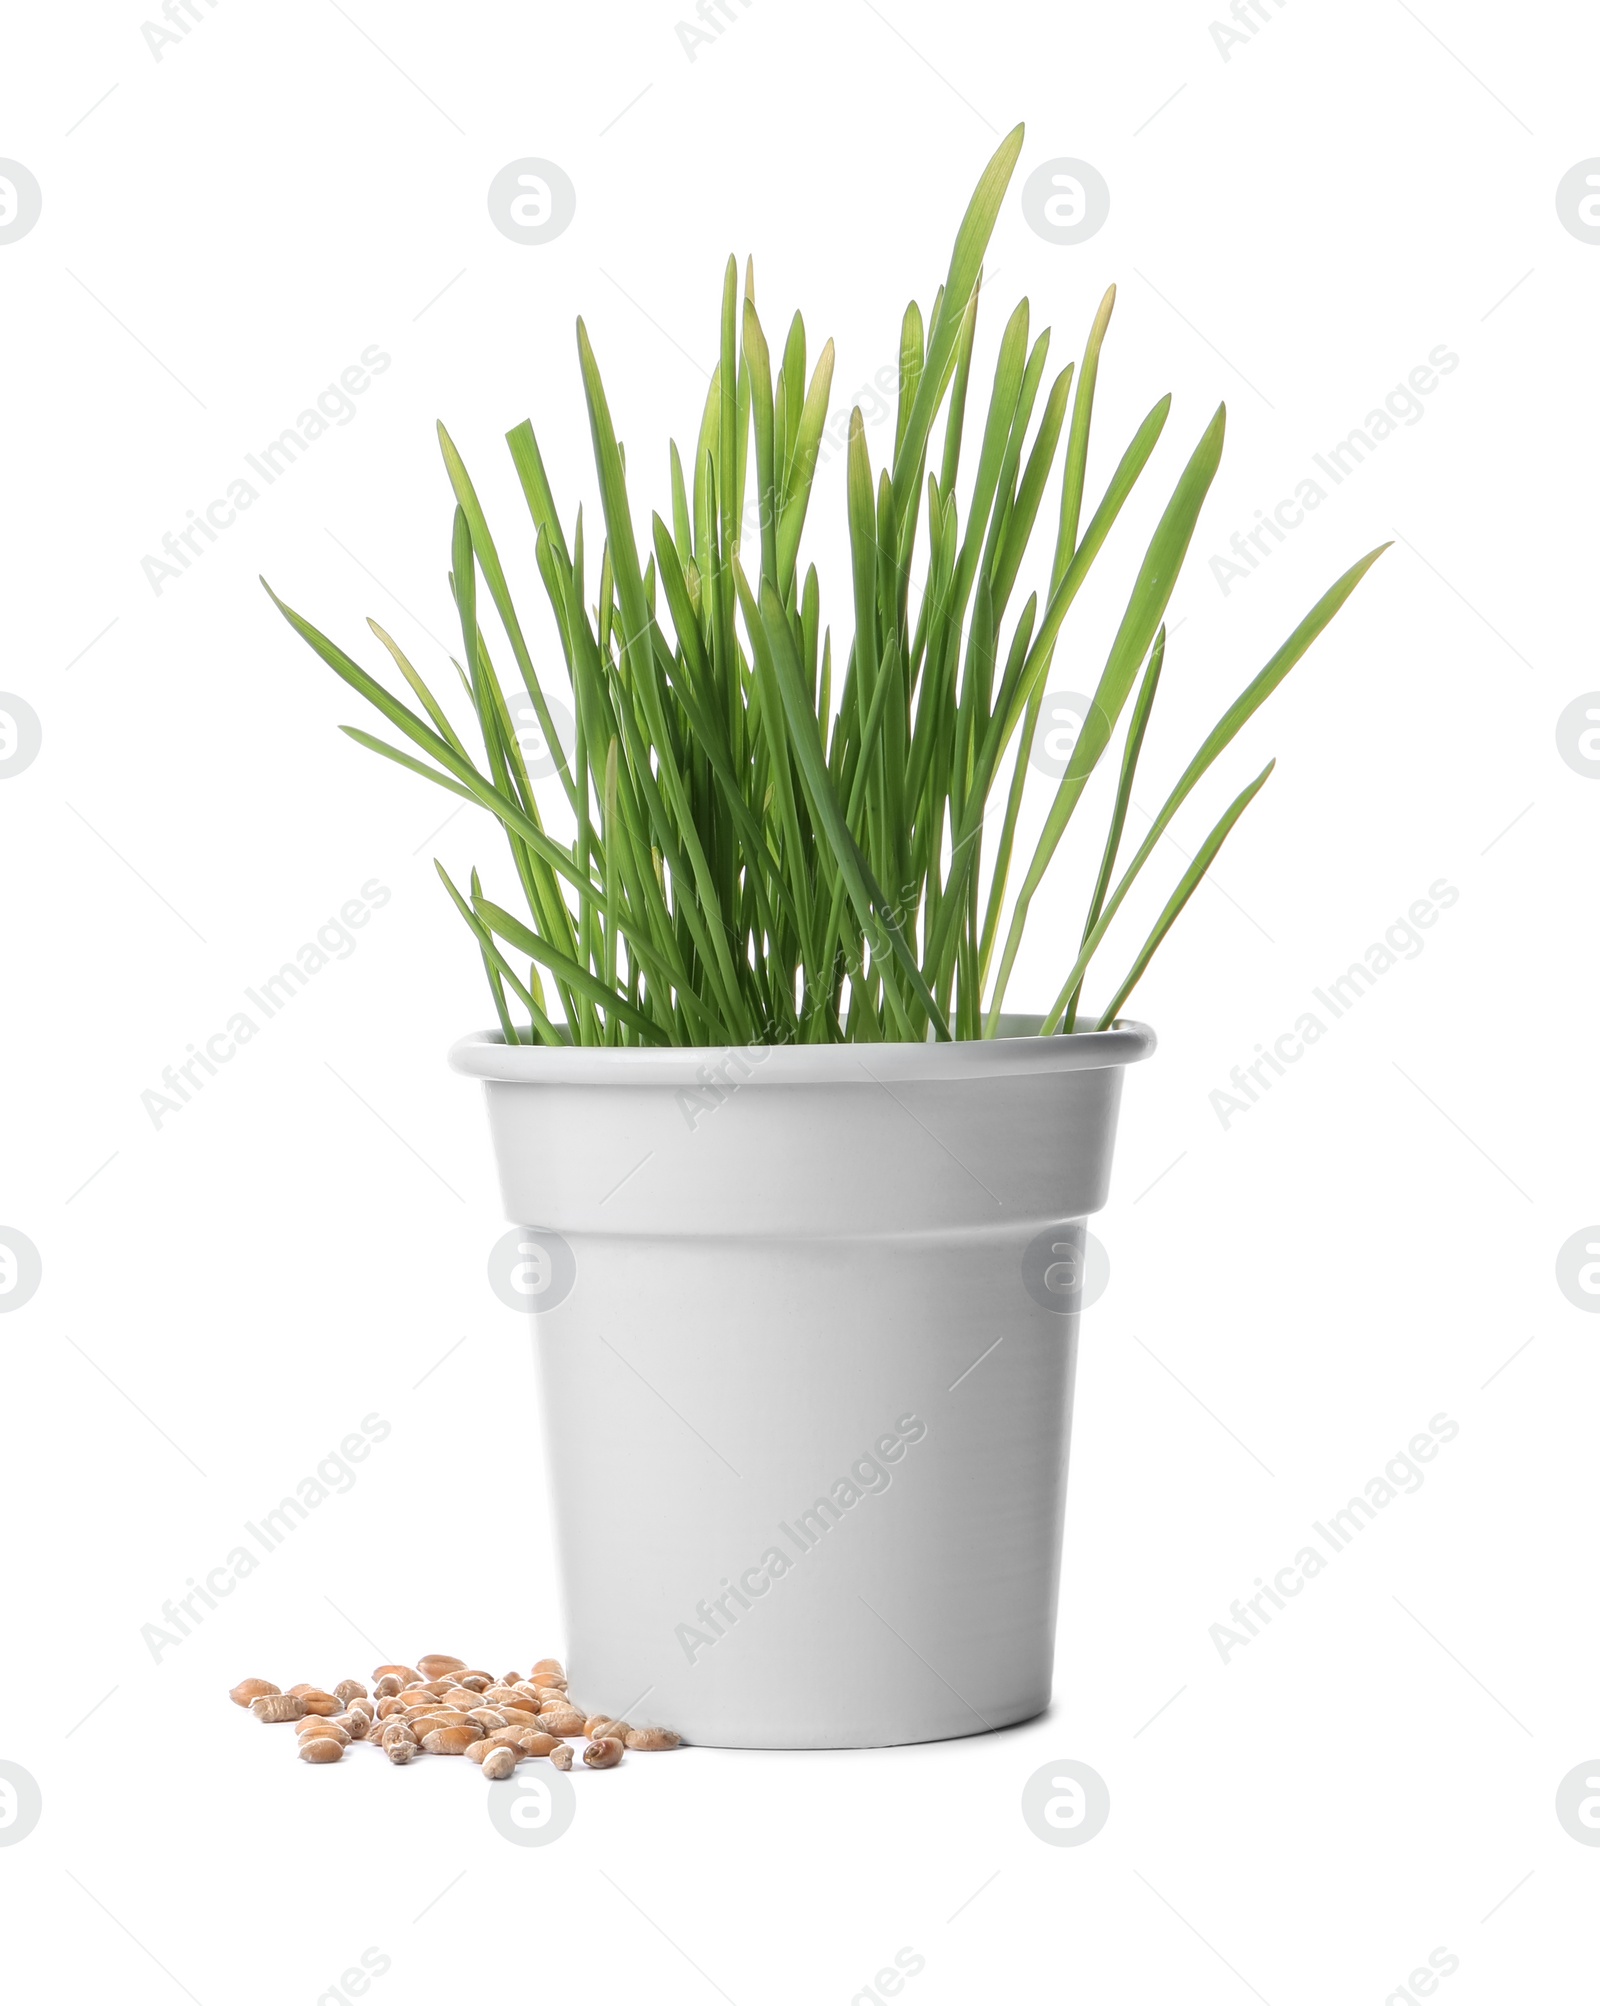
(755, 856)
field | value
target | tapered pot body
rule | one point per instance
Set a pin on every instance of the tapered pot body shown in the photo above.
(806, 1321)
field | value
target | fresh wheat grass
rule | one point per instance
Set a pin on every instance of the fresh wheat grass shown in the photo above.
(757, 855)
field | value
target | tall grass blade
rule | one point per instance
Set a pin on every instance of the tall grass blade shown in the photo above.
(1185, 891)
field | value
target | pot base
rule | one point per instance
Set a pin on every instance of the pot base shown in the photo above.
(782, 1741)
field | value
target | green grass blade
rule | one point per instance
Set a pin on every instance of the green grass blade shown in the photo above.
(729, 442)
(1077, 461)
(420, 690)
(620, 542)
(496, 962)
(1121, 485)
(1147, 605)
(1019, 525)
(1137, 721)
(758, 363)
(708, 731)
(1006, 486)
(636, 647)
(792, 375)
(966, 262)
(1222, 734)
(1021, 695)
(498, 804)
(1066, 550)
(682, 530)
(608, 800)
(807, 442)
(494, 576)
(950, 458)
(508, 927)
(1185, 891)
(1009, 370)
(909, 374)
(497, 987)
(529, 463)
(411, 765)
(878, 917)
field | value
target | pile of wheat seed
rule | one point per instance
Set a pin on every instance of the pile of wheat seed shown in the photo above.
(443, 1707)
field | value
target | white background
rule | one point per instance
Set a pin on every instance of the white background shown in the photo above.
(1293, 228)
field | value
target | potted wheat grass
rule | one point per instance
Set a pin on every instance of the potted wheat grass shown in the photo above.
(802, 1204)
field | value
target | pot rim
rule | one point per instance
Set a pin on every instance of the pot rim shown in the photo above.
(486, 1056)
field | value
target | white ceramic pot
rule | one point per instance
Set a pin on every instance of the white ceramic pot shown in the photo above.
(806, 1321)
